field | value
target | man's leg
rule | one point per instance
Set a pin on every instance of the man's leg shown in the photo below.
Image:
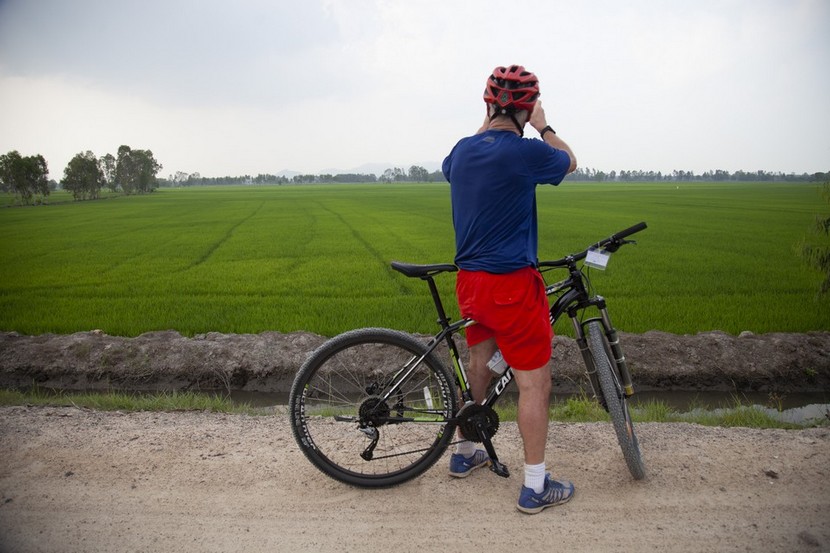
(478, 373)
(534, 404)
(540, 490)
(467, 457)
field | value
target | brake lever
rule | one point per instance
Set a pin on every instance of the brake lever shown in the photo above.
(617, 244)
(612, 247)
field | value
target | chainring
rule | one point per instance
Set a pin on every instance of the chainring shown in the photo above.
(471, 416)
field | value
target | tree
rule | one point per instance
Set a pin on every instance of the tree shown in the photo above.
(393, 174)
(136, 170)
(816, 249)
(418, 174)
(107, 165)
(83, 176)
(26, 177)
(124, 170)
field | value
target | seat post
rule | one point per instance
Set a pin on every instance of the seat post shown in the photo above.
(436, 298)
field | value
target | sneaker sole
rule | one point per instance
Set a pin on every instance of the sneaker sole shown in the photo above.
(535, 510)
(467, 473)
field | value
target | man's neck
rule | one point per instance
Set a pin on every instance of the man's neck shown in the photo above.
(503, 123)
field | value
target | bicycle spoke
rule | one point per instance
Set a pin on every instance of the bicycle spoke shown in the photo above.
(363, 413)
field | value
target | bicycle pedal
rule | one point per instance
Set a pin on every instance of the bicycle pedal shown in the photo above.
(499, 468)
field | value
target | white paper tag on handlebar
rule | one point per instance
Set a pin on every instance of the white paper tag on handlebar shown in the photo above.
(597, 259)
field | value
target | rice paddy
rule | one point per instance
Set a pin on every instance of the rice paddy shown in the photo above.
(716, 256)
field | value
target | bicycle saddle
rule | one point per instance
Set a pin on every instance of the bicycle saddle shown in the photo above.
(422, 271)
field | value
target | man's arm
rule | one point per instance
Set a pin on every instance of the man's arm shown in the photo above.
(539, 122)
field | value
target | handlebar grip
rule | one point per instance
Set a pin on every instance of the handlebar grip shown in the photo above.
(628, 232)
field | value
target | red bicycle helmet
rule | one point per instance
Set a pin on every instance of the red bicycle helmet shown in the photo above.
(512, 89)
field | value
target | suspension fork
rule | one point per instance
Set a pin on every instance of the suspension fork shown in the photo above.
(613, 341)
(616, 350)
(582, 343)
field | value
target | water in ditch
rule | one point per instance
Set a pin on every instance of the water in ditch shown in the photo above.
(798, 408)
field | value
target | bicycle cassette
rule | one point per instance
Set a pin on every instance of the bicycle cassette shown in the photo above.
(474, 418)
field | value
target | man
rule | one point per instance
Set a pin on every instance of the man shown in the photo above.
(493, 177)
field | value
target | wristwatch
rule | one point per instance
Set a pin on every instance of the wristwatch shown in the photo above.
(546, 129)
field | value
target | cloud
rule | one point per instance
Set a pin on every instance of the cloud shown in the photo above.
(182, 52)
(259, 86)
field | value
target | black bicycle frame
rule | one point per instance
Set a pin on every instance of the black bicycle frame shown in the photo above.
(574, 300)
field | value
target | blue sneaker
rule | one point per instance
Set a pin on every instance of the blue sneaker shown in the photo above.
(461, 466)
(556, 492)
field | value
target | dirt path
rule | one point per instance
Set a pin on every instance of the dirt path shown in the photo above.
(78, 480)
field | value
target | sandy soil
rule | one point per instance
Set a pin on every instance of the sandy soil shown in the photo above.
(79, 480)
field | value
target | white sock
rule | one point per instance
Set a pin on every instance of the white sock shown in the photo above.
(535, 477)
(465, 448)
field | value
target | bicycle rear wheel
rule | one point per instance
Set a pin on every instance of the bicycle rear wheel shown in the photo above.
(615, 400)
(366, 413)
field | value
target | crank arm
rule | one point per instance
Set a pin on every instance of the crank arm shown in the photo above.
(495, 465)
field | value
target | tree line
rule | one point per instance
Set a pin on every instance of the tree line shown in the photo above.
(719, 175)
(131, 172)
(416, 173)
(134, 171)
(420, 174)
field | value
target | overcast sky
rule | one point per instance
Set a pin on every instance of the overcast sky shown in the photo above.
(260, 86)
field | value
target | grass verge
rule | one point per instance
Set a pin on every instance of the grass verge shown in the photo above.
(584, 409)
(125, 401)
(575, 409)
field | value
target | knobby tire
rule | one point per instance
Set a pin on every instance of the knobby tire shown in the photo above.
(336, 407)
(615, 400)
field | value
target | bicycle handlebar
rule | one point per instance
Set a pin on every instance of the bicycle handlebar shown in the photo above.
(627, 232)
(615, 241)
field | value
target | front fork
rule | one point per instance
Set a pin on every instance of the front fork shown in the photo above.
(613, 341)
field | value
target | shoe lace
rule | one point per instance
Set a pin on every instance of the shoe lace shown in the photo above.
(554, 493)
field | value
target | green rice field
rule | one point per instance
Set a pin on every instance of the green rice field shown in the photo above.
(716, 256)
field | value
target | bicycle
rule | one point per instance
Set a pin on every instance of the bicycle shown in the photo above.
(376, 407)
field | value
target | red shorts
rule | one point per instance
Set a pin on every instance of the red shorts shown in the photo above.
(513, 309)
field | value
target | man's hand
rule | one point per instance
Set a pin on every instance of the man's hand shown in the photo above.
(539, 122)
(537, 117)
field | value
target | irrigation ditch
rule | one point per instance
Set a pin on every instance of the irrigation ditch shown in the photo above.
(779, 370)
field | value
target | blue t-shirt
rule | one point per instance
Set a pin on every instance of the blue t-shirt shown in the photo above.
(493, 177)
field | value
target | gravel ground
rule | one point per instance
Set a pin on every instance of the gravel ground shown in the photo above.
(79, 480)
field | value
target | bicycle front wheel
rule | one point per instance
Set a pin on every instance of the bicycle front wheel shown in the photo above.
(368, 408)
(615, 400)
